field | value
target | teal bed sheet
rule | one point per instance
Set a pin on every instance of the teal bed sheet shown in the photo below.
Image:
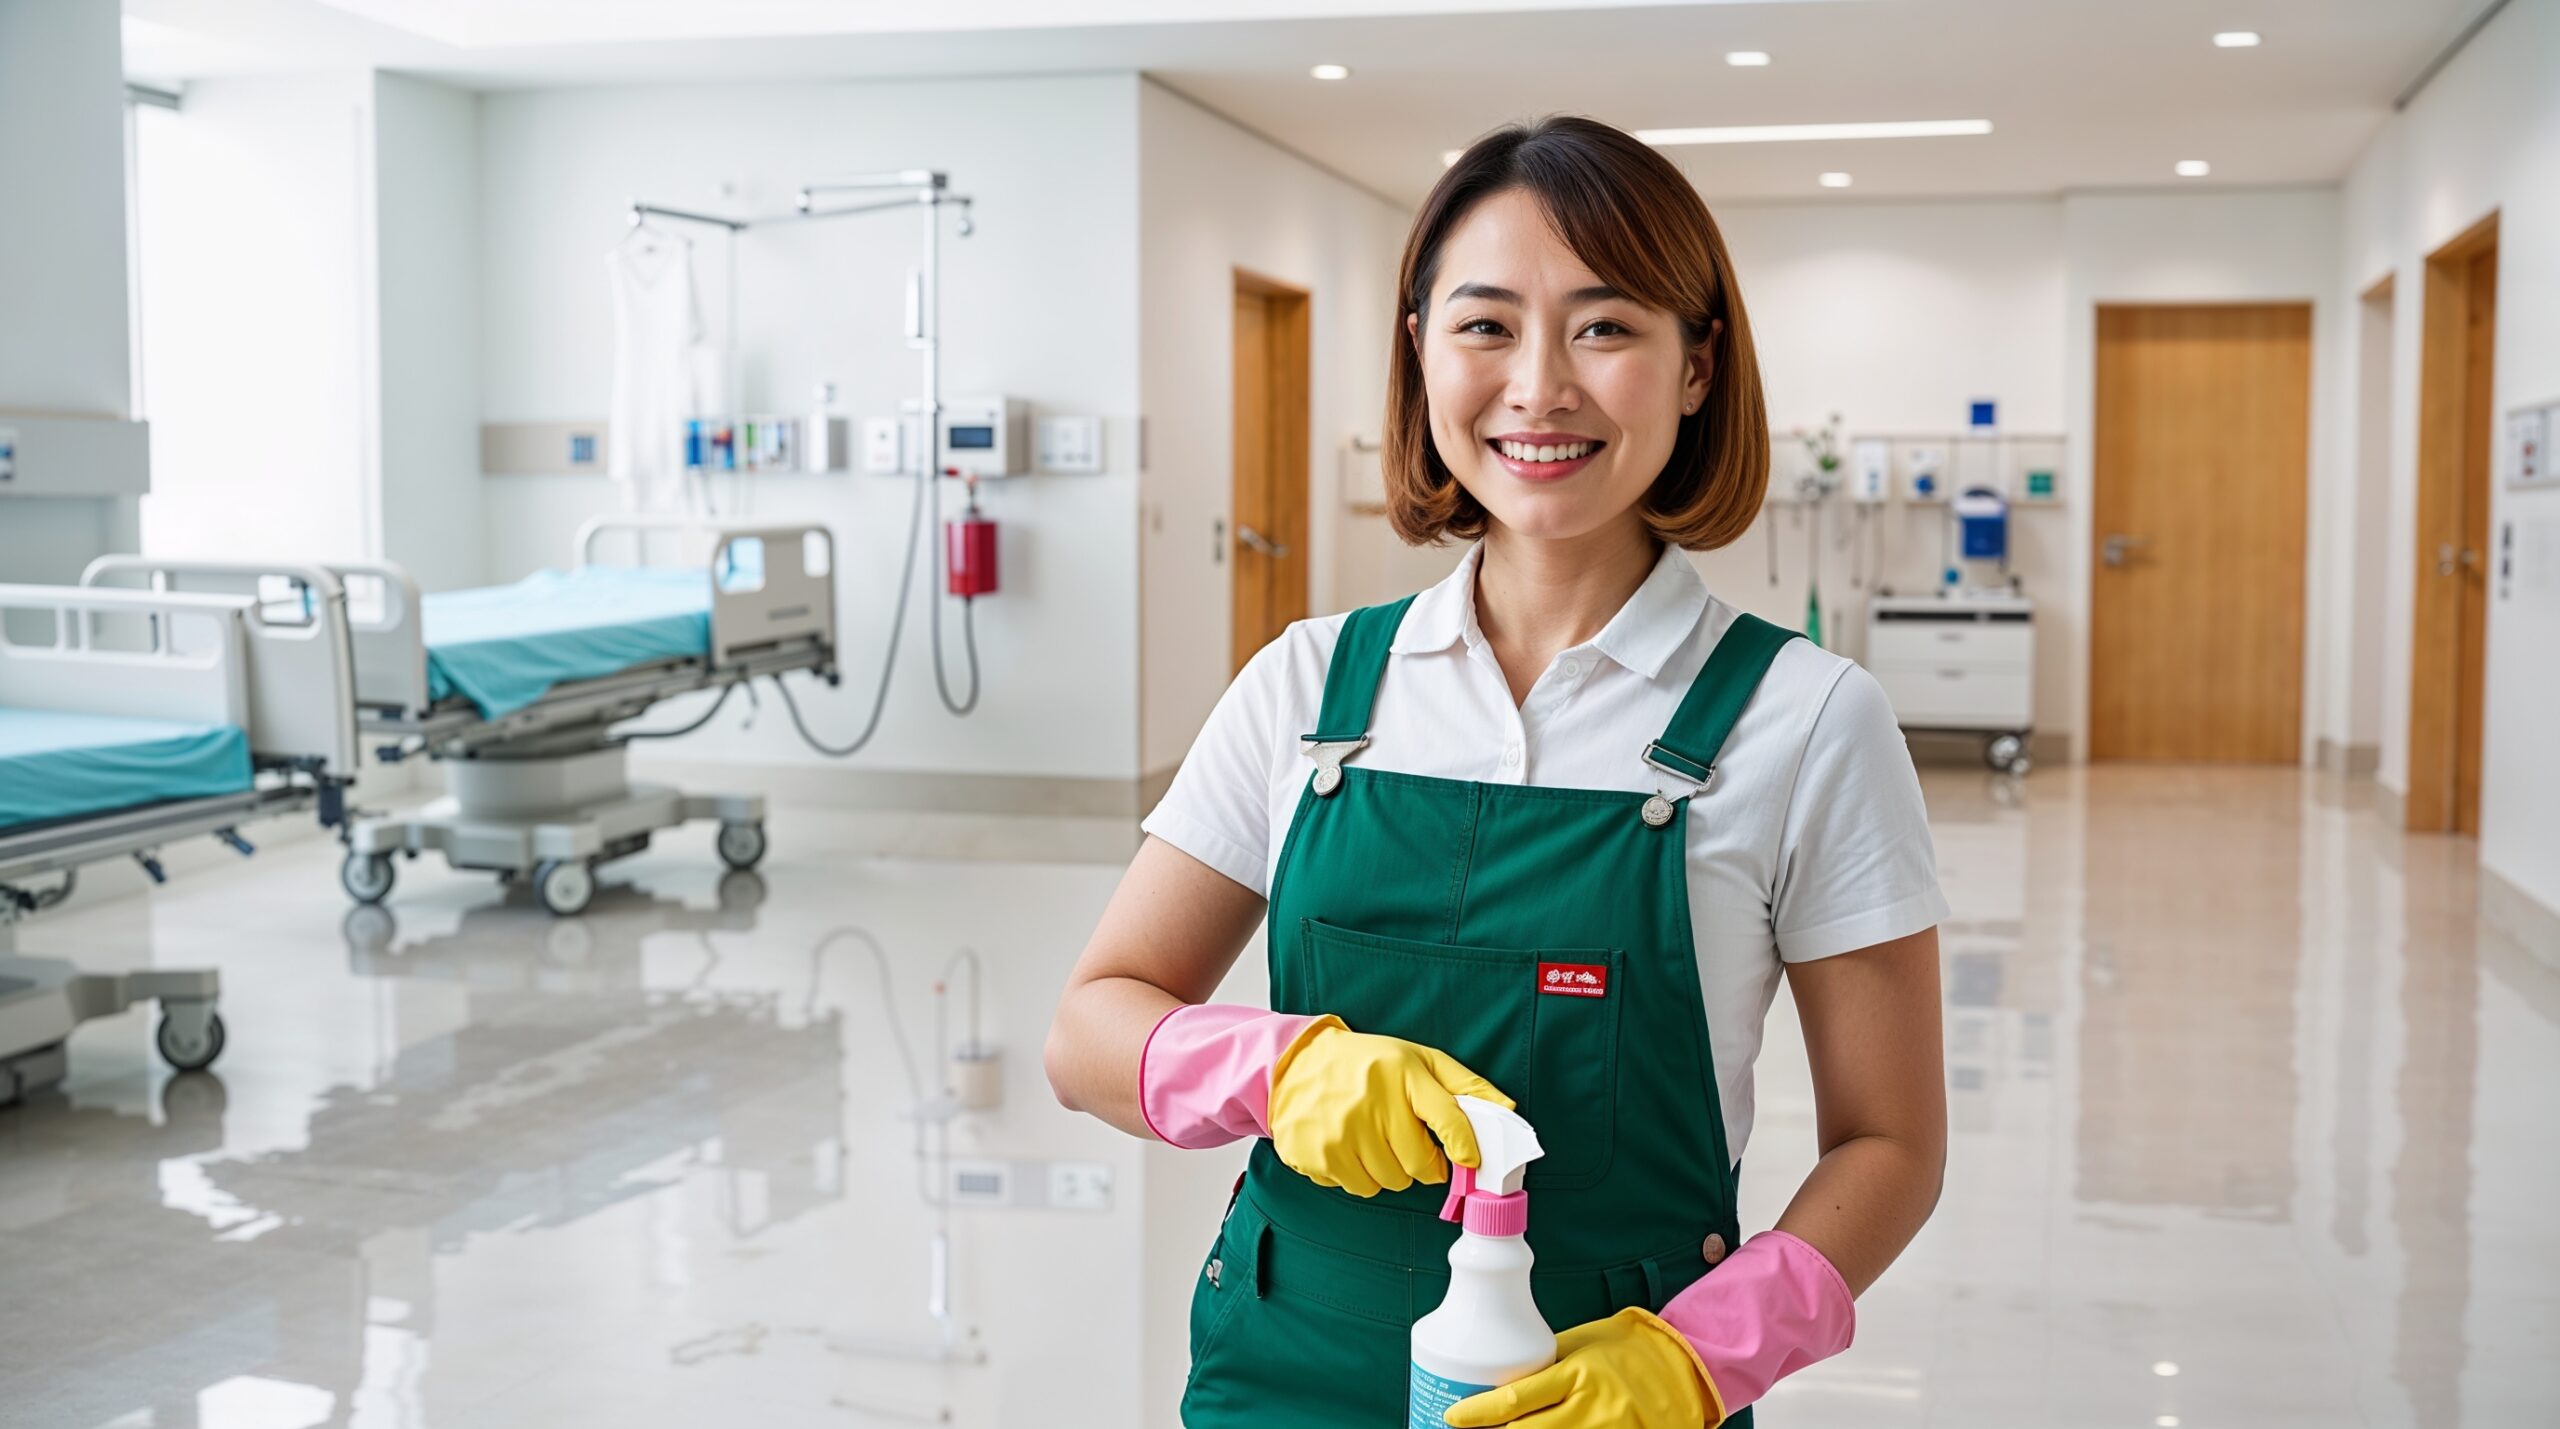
(57, 766)
(502, 647)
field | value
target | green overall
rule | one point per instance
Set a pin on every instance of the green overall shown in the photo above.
(1540, 936)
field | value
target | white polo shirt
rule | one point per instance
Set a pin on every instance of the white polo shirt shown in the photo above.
(1812, 840)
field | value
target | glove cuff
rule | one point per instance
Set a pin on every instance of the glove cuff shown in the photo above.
(1706, 1378)
(1768, 1310)
(1205, 1074)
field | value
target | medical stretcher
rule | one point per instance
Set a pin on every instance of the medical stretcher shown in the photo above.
(516, 691)
(129, 720)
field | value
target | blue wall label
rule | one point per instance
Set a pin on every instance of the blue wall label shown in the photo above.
(1432, 1397)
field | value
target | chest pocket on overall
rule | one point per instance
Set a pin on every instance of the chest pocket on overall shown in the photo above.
(1541, 1024)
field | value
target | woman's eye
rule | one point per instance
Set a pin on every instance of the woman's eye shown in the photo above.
(1472, 324)
(1620, 331)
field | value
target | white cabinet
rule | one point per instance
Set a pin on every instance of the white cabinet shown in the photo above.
(1961, 663)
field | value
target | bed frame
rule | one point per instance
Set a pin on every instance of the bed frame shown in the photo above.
(544, 793)
(233, 659)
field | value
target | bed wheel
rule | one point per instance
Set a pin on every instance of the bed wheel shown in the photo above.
(366, 876)
(565, 886)
(190, 1035)
(741, 845)
(2006, 753)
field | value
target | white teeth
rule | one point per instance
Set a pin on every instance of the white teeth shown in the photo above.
(1523, 451)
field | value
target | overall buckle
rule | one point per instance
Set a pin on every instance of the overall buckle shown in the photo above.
(1328, 755)
(1658, 809)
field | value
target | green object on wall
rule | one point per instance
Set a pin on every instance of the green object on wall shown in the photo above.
(1813, 614)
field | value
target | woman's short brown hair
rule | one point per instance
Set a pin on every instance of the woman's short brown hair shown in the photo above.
(1630, 214)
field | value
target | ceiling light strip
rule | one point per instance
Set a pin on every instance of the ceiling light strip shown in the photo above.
(1796, 133)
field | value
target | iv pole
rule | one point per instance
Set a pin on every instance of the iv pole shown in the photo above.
(927, 190)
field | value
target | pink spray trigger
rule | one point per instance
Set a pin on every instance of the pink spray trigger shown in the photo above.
(1462, 1182)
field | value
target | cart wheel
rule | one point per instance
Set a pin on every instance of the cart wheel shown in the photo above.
(366, 876)
(2005, 752)
(741, 845)
(565, 886)
(189, 1040)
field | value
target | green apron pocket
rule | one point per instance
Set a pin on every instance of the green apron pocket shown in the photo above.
(1554, 1052)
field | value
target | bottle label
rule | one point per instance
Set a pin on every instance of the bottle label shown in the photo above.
(1432, 1397)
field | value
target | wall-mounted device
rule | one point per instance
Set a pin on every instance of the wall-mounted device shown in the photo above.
(1870, 470)
(984, 436)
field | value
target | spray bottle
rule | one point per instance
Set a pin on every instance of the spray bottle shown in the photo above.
(1487, 1331)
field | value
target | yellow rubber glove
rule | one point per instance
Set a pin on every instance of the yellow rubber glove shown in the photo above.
(1358, 1111)
(1630, 1371)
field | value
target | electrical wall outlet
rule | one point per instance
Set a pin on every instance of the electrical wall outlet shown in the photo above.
(883, 445)
(1068, 444)
(1079, 1186)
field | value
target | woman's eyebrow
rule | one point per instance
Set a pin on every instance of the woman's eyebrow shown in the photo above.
(1600, 293)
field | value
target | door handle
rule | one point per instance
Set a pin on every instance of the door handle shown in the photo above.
(2118, 545)
(1254, 540)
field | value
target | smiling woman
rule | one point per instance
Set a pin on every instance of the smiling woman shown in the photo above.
(1645, 329)
(1441, 800)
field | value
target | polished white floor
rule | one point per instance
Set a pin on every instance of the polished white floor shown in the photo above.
(2254, 1126)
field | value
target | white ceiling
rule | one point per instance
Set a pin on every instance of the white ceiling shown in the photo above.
(2082, 94)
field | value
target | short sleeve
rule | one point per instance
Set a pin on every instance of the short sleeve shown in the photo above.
(1218, 809)
(1855, 864)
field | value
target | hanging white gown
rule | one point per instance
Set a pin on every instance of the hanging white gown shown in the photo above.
(656, 328)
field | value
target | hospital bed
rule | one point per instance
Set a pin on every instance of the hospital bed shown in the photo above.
(129, 720)
(516, 690)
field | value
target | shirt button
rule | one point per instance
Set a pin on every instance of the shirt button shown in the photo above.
(1572, 668)
(1510, 755)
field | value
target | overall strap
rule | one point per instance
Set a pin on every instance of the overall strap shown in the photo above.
(1351, 681)
(1696, 734)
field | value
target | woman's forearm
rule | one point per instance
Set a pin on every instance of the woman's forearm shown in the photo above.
(1865, 1200)
(1095, 1044)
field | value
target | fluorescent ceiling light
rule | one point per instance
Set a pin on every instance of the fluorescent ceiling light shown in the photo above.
(1785, 133)
(2193, 168)
(1331, 71)
(1835, 180)
(1746, 59)
(2237, 39)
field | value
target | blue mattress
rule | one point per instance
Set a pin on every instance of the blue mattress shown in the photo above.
(501, 647)
(61, 766)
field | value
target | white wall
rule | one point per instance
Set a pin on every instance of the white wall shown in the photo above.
(1214, 197)
(257, 319)
(1040, 304)
(426, 203)
(2484, 136)
(63, 340)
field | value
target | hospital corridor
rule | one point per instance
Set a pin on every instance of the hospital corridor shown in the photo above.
(1833, 714)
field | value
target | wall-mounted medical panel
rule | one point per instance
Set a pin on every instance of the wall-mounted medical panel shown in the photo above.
(74, 456)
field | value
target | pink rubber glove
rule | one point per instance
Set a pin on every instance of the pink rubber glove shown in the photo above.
(1770, 1309)
(1204, 1078)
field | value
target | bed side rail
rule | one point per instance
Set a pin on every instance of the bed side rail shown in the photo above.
(383, 624)
(300, 665)
(770, 584)
(151, 654)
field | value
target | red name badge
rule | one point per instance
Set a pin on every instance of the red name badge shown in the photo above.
(1574, 979)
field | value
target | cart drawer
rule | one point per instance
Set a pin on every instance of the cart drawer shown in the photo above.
(1953, 696)
(1951, 642)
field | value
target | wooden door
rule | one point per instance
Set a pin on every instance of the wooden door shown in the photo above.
(2449, 625)
(1268, 546)
(2202, 451)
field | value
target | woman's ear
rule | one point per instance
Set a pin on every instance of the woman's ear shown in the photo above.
(1413, 331)
(1702, 368)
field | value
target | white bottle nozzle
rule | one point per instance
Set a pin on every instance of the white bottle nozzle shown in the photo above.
(1506, 1142)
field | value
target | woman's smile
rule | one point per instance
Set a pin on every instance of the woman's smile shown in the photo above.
(1543, 456)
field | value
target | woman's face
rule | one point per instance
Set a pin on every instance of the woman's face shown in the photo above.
(1524, 349)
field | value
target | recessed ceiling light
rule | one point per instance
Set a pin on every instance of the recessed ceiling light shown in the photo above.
(2237, 39)
(1835, 180)
(2166, 1421)
(1746, 59)
(1450, 156)
(2193, 168)
(1331, 71)
(2166, 1369)
(1783, 133)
